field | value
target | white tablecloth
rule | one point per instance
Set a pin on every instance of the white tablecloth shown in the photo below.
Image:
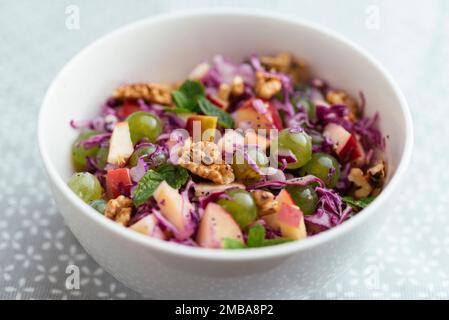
(410, 259)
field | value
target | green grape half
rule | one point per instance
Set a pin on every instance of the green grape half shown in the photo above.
(323, 166)
(304, 197)
(241, 206)
(80, 154)
(299, 143)
(86, 186)
(144, 125)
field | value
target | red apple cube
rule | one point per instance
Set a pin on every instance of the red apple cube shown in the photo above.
(117, 181)
(345, 144)
(291, 222)
(257, 114)
(202, 127)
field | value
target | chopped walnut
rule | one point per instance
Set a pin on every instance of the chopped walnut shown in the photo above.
(119, 210)
(265, 202)
(267, 85)
(151, 92)
(357, 177)
(341, 97)
(204, 159)
(376, 177)
(284, 62)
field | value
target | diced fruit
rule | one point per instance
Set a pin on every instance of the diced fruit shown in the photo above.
(305, 198)
(80, 154)
(121, 146)
(291, 222)
(86, 186)
(241, 205)
(217, 101)
(285, 197)
(248, 116)
(149, 227)
(252, 138)
(204, 189)
(144, 125)
(216, 225)
(199, 71)
(117, 181)
(299, 143)
(203, 123)
(127, 109)
(345, 144)
(243, 171)
(282, 198)
(275, 116)
(230, 140)
(175, 209)
(323, 166)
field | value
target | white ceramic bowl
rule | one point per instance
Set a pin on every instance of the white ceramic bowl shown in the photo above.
(166, 48)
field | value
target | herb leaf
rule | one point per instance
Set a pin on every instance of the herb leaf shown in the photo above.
(209, 109)
(275, 241)
(146, 187)
(230, 243)
(175, 176)
(256, 236)
(186, 98)
(358, 203)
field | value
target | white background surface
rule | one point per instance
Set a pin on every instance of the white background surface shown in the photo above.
(409, 259)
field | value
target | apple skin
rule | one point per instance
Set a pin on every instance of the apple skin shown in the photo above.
(216, 225)
(291, 222)
(206, 122)
(346, 145)
(117, 180)
(248, 116)
(148, 226)
(127, 108)
(175, 209)
(120, 146)
(272, 219)
(217, 101)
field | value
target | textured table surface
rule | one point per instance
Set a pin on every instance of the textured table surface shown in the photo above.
(410, 259)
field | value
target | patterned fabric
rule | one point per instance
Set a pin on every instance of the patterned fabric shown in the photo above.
(410, 258)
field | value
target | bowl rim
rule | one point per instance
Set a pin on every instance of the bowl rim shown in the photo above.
(214, 254)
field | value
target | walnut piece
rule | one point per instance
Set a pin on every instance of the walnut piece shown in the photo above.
(204, 159)
(267, 85)
(150, 92)
(119, 210)
(265, 202)
(284, 62)
(341, 97)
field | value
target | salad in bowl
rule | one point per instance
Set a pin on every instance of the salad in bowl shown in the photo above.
(237, 155)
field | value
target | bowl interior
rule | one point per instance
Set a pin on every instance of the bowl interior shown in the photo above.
(166, 49)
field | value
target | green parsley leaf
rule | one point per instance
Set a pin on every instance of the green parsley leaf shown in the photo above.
(230, 243)
(256, 236)
(175, 176)
(358, 203)
(209, 109)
